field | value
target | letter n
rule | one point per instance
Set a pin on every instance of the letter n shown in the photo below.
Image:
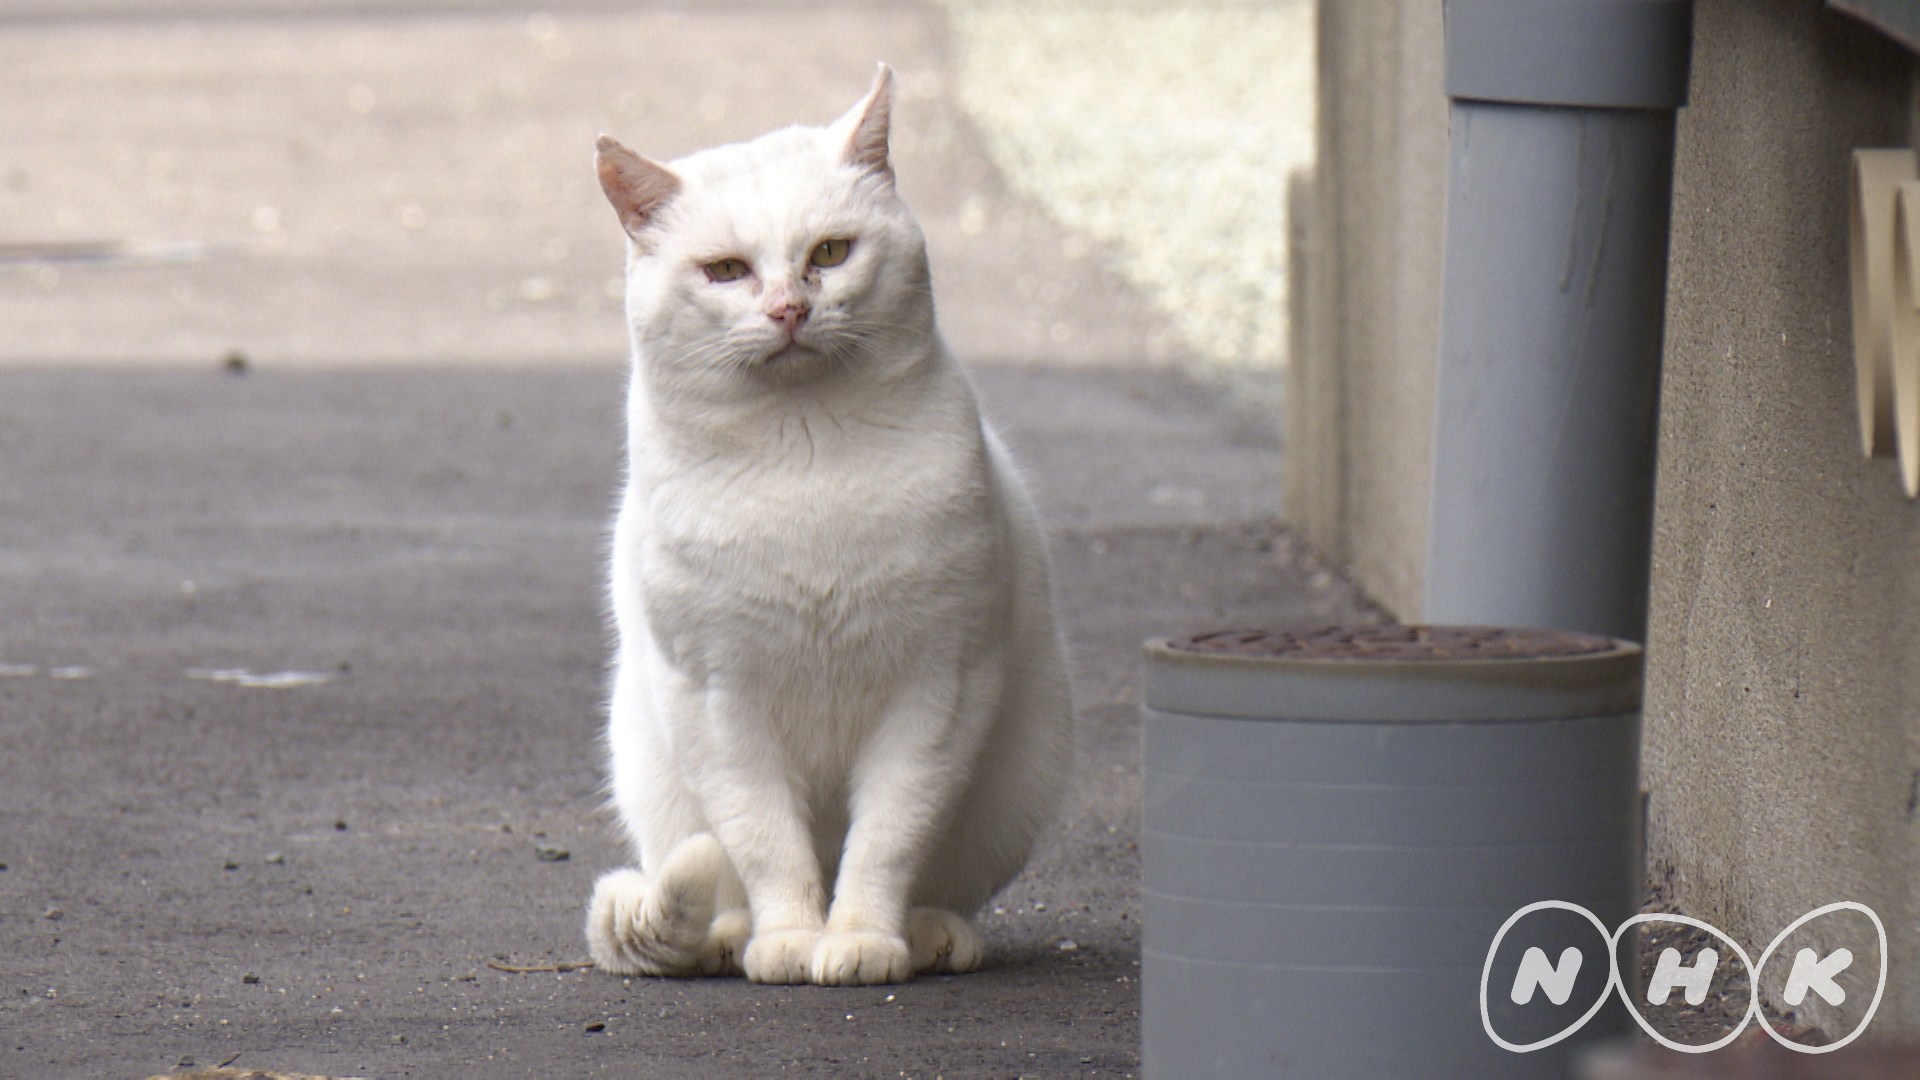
(1555, 979)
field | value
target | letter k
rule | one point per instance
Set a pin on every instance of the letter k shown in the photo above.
(1811, 973)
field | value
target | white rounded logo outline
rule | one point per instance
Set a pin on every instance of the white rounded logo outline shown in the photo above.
(1620, 986)
(1872, 1006)
(1486, 973)
(1617, 986)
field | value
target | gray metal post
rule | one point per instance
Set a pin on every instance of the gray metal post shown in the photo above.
(1558, 189)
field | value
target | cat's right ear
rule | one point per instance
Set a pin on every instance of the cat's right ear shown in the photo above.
(636, 187)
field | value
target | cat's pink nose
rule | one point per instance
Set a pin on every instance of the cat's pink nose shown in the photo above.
(790, 314)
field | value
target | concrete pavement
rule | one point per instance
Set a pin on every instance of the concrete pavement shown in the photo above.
(316, 876)
(300, 669)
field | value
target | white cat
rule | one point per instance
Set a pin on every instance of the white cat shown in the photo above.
(840, 712)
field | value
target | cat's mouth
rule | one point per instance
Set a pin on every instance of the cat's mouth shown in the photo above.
(788, 355)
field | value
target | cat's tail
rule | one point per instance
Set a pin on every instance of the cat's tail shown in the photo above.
(665, 924)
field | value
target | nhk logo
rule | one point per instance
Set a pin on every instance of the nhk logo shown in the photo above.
(1545, 984)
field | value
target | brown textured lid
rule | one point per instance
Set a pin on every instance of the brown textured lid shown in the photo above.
(1392, 642)
(1393, 674)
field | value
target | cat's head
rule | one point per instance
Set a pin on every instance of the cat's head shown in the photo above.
(783, 259)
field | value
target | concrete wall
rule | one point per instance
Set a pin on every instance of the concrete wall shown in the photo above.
(1783, 715)
(1367, 300)
(1783, 708)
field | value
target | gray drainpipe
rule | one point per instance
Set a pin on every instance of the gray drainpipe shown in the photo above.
(1558, 188)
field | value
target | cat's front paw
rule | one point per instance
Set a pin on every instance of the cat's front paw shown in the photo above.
(861, 958)
(780, 956)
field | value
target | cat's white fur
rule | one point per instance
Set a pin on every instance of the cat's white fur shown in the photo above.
(840, 713)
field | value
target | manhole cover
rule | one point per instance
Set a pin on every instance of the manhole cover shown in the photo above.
(1347, 642)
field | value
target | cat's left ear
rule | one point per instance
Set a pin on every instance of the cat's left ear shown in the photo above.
(865, 127)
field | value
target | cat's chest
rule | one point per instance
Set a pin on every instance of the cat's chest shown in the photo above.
(813, 558)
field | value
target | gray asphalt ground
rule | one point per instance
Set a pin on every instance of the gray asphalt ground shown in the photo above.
(315, 878)
(402, 502)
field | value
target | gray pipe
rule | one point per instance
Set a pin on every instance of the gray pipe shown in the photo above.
(1558, 188)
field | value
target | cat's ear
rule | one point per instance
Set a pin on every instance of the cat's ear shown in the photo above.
(636, 187)
(865, 126)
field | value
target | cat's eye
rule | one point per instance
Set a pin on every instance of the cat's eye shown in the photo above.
(721, 270)
(830, 252)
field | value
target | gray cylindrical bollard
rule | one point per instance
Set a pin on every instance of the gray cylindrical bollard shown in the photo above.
(1339, 820)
